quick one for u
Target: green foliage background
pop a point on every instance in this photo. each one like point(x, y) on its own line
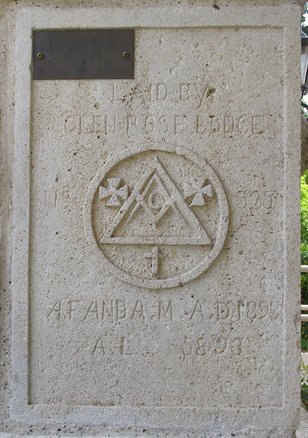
point(305, 27)
point(304, 251)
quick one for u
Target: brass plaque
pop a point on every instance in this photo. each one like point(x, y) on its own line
point(83, 54)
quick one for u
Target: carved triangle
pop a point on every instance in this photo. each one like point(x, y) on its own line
point(136, 200)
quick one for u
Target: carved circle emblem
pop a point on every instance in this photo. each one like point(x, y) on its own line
point(157, 217)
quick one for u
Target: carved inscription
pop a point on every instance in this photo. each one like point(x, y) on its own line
point(204, 124)
point(57, 197)
point(190, 347)
point(159, 218)
point(192, 115)
point(120, 345)
point(110, 310)
point(256, 200)
point(209, 328)
point(200, 346)
point(196, 92)
point(250, 310)
point(116, 310)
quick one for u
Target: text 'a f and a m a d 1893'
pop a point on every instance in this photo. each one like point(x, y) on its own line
point(165, 311)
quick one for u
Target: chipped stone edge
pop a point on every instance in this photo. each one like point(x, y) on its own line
point(302, 432)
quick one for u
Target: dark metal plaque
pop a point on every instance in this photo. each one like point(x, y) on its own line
point(83, 54)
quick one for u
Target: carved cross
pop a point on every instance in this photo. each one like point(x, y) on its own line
point(154, 256)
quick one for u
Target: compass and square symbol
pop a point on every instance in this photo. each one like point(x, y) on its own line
point(158, 217)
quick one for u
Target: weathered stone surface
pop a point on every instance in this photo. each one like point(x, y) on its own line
point(304, 159)
point(302, 432)
point(155, 250)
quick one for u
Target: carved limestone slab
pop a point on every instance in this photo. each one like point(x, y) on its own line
point(151, 225)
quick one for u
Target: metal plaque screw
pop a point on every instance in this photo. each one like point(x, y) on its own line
point(40, 55)
point(125, 54)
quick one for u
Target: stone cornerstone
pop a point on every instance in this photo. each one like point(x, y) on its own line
point(150, 218)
